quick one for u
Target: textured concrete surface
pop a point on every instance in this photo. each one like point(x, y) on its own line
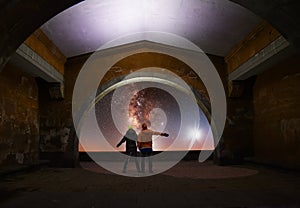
point(181, 186)
point(276, 102)
point(19, 122)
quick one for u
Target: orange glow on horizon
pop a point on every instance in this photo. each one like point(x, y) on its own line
point(93, 148)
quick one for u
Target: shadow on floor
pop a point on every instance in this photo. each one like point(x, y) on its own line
point(188, 184)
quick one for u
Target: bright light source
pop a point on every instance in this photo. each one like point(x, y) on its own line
point(198, 134)
point(195, 134)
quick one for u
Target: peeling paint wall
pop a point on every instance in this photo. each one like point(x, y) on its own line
point(19, 123)
point(277, 114)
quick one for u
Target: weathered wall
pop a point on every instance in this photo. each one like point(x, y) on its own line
point(238, 134)
point(58, 141)
point(237, 137)
point(19, 128)
point(54, 126)
point(260, 37)
point(44, 47)
point(277, 114)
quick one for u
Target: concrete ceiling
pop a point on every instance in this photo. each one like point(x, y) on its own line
point(214, 25)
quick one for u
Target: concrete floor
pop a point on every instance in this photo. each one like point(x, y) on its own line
point(188, 184)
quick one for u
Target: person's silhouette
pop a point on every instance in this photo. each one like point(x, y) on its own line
point(131, 149)
point(145, 145)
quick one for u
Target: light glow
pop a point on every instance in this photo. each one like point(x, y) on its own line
point(90, 24)
point(198, 134)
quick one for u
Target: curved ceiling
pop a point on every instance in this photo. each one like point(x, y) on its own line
point(214, 25)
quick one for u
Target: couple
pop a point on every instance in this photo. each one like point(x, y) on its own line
point(144, 143)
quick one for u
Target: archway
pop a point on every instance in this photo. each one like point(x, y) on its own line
point(20, 19)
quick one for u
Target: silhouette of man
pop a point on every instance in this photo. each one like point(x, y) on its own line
point(131, 149)
point(145, 145)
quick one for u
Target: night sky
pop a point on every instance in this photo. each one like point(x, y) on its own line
point(153, 105)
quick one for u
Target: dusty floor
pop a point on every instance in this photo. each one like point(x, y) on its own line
point(188, 184)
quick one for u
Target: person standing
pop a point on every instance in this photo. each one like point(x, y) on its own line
point(131, 149)
point(144, 143)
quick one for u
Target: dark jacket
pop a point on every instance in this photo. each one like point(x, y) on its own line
point(130, 138)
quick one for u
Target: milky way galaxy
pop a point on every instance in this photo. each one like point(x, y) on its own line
point(128, 105)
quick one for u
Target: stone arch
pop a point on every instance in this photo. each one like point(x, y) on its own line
point(19, 19)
